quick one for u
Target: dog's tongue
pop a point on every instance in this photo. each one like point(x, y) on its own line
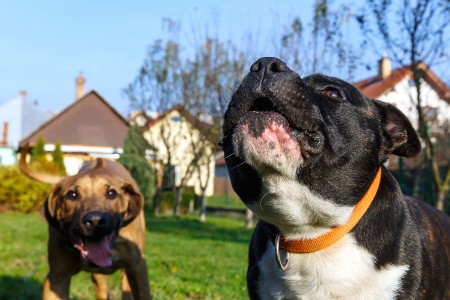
point(99, 252)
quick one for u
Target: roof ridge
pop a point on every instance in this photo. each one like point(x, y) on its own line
point(375, 86)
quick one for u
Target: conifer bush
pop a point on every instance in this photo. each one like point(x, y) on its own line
point(134, 160)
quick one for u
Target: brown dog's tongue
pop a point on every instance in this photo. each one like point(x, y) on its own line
point(99, 252)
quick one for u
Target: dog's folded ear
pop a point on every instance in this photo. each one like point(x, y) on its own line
point(399, 136)
point(49, 207)
point(135, 202)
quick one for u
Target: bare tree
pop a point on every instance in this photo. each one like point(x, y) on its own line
point(196, 84)
point(215, 67)
point(320, 44)
point(156, 89)
point(414, 33)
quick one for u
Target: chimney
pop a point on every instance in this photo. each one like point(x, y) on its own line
point(79, 89)
point(4, 141)
point(23, 94)
point(384, 67)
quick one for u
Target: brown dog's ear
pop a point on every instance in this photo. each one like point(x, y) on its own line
point(48, 209)
point(399, 136)
point(135, 202)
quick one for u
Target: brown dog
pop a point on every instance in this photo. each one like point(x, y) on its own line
point(96, 224)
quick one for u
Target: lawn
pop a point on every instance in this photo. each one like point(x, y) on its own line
point(186, 259)
point(221, 200)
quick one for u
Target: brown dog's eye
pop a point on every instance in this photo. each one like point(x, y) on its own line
point(72, 195)
point(332, 92)
point(111, 194)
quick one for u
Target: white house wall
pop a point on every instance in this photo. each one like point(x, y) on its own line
point(401, 97)
point(76, 155)
point(7, 156)
point(179, 136)
point(22, 117)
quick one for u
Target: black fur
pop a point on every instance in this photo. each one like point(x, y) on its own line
point(343, 141)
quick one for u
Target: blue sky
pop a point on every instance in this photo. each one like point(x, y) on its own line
point(45, 44)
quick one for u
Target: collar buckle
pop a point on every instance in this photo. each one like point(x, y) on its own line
point(281, 265)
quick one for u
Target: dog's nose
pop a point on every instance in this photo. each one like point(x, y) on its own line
point(94, 220)
point(269, 65)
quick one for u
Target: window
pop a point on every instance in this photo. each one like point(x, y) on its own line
point(175, 119)
point(411, 83)
point(430, 113)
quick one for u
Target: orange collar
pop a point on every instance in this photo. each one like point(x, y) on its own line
point(328, 238)
point(335, 234)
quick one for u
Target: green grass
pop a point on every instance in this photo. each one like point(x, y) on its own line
point(186, 259)
point(220, 200)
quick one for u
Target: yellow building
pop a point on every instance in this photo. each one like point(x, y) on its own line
point(181, 140)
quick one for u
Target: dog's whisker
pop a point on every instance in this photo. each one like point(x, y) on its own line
point(260, 201)
point(229, 155)
point(238, 165)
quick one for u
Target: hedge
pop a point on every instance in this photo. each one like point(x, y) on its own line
point(19, 193)
point(167, 198)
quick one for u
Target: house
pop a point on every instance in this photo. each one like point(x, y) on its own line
point(90, 127)
point(181, 139)
point(222, 183)
point(18, 117)
point(398, 88)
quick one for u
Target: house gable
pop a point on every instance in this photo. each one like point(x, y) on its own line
point(376, 86)
point(90, 121)
point(21, 117)
point(398, 88)
point(179, 135)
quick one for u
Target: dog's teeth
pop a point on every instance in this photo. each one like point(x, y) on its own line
point(295, 132)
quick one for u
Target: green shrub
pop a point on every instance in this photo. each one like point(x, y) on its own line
point(58, 160)
point(134, 160)
point(40, 161)
point(38, 151)
point(167, 198)
point(19, 193)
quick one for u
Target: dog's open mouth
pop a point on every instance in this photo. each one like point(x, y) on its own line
point(263, 113)
point(95, 250)
point(265, 105)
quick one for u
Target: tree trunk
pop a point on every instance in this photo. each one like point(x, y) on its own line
point(202, 206)
point(440, 200)
point(177, 201)
point(249, 218)
point(157, 202)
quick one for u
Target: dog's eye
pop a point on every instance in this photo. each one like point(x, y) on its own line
point(332, 92)
point(72, 195)
point(111, 194)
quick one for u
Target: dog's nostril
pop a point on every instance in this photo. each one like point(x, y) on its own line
point(269, 65)
point(255, 67)
point(94, 220)
point(277, 66)
point(101, 223)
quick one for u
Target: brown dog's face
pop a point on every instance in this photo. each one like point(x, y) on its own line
point(90, 208)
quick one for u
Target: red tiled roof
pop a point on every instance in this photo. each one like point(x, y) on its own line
point(375, 86)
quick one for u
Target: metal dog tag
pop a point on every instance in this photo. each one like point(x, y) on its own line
point(278, 256)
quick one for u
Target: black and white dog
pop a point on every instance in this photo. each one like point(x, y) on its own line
point(306, 156)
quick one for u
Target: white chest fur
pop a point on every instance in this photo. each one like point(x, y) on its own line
point(342, 271)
